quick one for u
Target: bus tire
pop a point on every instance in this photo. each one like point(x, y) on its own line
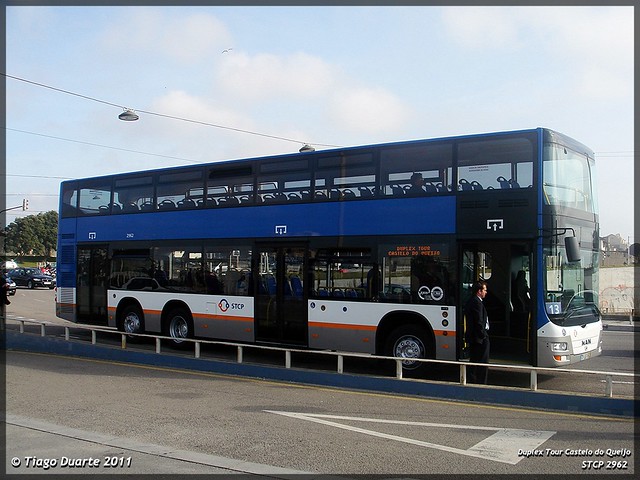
point(179, 326)
point(132, 321)
point(410, 342)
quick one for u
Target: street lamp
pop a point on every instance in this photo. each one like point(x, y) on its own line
point(307, 148)
point(128, 115)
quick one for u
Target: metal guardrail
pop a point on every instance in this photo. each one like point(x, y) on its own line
point(340, 356)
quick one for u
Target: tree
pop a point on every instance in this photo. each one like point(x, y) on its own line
point(33, 235)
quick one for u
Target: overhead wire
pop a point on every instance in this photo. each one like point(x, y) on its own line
point(199, 122)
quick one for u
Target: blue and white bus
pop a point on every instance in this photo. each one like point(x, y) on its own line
point(361, 249)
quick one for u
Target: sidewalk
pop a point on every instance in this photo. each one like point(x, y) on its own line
point(621, 322)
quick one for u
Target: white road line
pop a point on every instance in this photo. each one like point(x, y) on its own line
point(502, 446)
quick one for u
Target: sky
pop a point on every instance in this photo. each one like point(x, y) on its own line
point(325, 76)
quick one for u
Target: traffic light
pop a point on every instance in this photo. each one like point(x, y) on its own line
point(25, 204)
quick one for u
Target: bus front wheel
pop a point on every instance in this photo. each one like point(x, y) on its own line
point(409, 342)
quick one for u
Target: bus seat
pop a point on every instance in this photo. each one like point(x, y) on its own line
point(365, 192)
point(130, 207)
point(514, 184)
point(296, 286)
point(348, 194)
point(271, 285)
point(166, 205)
point(397, 190)
point(186, 203)
point(147, 207)
point(226, 201)
point(430, 187)
point(504, 183)
point(475, 185)
point(103, 209)
point(335, 194)
point(465, 185)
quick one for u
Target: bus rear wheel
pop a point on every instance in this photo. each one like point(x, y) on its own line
point(179, 326)
point(409, 342)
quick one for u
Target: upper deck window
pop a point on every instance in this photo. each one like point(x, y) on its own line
point(502, 163)
point(95, 197)
point(345, 177)
point(134, 194)
point(284, 181)
point(568, 178)
point(69, 200)
point(416, 170)
point(180, 190)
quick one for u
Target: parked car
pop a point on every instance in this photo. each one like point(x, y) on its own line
point(12, 286)
point(398, 293)
point(30, 277)
point(9, 264)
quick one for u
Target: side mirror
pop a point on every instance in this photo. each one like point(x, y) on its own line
point(572, 248)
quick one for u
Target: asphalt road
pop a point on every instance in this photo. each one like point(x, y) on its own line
point(158, 420)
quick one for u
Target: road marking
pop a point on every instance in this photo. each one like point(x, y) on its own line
point(502, 446)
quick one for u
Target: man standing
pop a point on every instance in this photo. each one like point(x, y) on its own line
point(477, 334)
point(4, 283)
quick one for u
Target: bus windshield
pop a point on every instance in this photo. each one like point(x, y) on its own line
point(569, 178)
point(571, 296)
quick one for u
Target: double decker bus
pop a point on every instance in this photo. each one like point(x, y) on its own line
point(363, 249)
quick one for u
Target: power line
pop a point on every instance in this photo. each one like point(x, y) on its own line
point(33, 176)
point(239, 130)
point(103, 146)
point(32, 194)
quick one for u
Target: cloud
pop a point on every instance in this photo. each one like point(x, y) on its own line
point(265, 76)
point(479, 28)
point(593, 44)
point(369, 110)
point(185, 39)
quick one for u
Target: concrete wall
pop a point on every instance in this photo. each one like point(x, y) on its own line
point(618, 291)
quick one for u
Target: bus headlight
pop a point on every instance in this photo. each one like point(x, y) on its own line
point(559, 347)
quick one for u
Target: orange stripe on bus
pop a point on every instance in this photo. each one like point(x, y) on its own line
point(342, 326)
point(231, 318)
point(444, 333)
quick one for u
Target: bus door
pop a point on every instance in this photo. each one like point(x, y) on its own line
point(280, 294)
point(91, 284)
point(506, 267)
